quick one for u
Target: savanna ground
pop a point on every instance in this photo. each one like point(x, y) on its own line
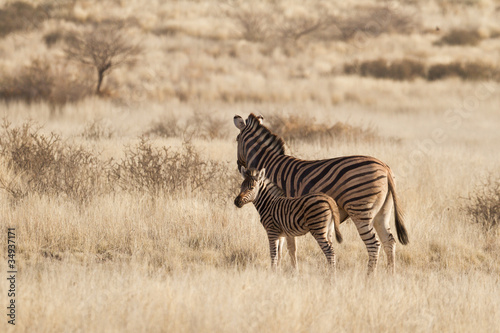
point(122, 201)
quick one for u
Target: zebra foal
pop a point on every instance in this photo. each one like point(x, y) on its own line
point(316, 213)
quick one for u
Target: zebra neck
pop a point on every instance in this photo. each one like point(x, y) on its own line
point(271, 163)
point(263, 147)
point(268, 192)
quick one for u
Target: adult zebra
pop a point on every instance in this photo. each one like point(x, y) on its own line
point(362, 186)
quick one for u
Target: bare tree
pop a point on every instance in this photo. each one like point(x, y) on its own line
point(104, 48)
point(296, 28)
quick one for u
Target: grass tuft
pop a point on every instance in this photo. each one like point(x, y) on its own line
point(483, 204)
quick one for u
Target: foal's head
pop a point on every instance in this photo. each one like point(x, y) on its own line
point(250, 186)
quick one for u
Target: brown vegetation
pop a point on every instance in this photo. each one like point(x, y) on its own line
point(155, 170)
point(372, 21)
point(40, 81)
point(408, 69)
point(464, 70)
point(460, 37)
point(18, 15)
point(257, 24)
point(404, 69)
point(202, 126)
point(45, 165)
point(483, 205)
point(295, 128)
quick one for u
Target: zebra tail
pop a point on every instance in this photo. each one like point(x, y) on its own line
point(398, 215)
point(336, 220)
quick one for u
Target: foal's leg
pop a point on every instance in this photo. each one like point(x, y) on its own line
point(326, 246)
point(273, 248)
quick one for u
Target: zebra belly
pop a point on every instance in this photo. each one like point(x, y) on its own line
point(292, 229)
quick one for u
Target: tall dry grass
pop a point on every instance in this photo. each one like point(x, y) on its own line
point(181, 262)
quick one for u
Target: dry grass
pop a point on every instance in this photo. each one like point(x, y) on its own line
point(404, 69)
point(181, 262)
point(120, 234)
point(298, 128)
point(484, 203)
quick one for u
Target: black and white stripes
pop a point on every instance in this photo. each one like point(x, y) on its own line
point(316, 213)
point(362, 186)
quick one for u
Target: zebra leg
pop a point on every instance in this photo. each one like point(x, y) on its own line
point(326, 246)
point(365, 230)
point(292, 251)
point(281, 241)
point(382, 225)
point(273, 247)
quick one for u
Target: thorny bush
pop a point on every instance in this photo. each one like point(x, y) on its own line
point(292, 128)
point(44, 164)
point(483, 205)
point(153, 170)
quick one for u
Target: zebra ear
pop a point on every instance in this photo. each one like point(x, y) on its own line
point(243, 171)
point(260, 118)
point(262, 174)
point(239, 122)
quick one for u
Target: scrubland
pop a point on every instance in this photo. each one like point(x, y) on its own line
point(122, 201)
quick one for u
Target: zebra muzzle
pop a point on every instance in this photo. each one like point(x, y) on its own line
point(238, 202)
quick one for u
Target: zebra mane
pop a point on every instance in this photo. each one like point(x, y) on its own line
point(255, 124)
point(272, 187)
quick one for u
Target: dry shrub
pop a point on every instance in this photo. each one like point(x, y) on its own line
point(258, 24)
point(168, 126)
point(408, 69)
point(300, 128)
point(45, 165)
point(209, 127)
point(57, 36)
point(404, 69)
point(297, 27)
point(483, 205)
point(33, 83)
point(167, 30)
point(253, 24)
point(460, 37)
point(19, 15)
point(203, 126)
point(34, 163)
point(155, 170)
point(40, 81)
point(465, 71)
point(97, 129)
point(373, 21)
